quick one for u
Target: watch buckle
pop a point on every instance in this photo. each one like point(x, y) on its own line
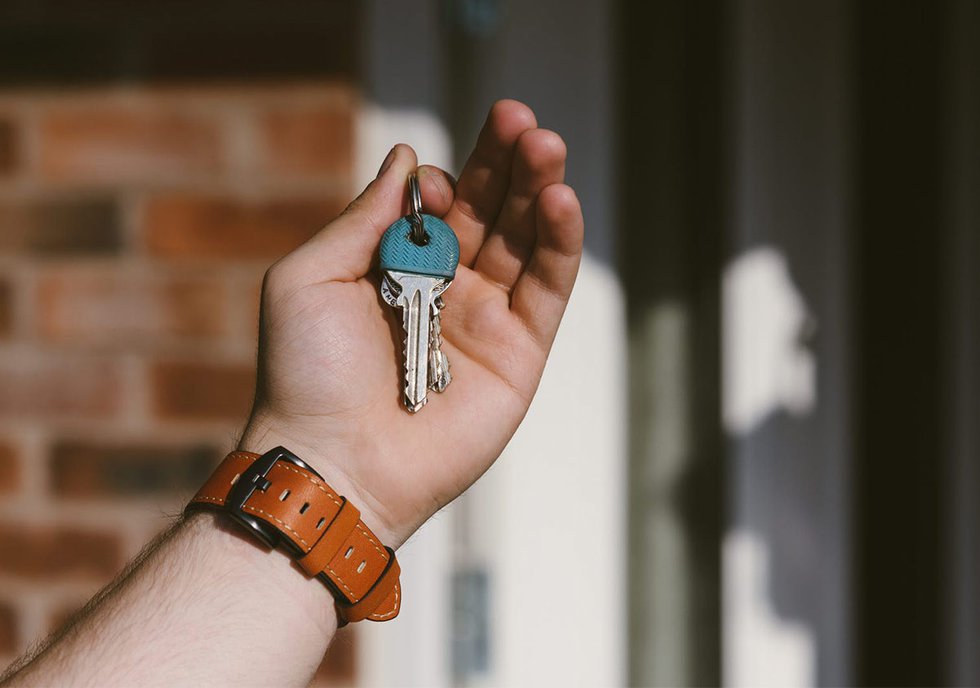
point(254, 478)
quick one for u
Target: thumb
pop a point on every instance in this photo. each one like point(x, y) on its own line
point(343, 250)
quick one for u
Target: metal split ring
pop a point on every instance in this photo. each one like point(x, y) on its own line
point(418, 235)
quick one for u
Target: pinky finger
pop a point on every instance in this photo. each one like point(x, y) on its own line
point(542, 291)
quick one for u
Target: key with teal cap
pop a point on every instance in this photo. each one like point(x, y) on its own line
point(419, 255)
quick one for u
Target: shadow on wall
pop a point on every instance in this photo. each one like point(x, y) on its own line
point(769, 373)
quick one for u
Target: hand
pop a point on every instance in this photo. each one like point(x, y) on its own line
point(330, 378)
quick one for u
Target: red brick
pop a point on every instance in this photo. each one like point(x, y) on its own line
point(8, 147)
point(8, 629)
point(59, 227)
point(124, 307)
point(307, 141)
point(9, 468)
point(6, 308)
point(202, 391)
point(222, 228)
point(97, 470)
point(119, 143)
point(59, 386)
point(57, 552)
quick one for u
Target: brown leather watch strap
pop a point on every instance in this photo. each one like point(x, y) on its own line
point(284, 501)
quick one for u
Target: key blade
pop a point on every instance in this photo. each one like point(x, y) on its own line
point(416, 348)
point(439, 375)
point(415, 299)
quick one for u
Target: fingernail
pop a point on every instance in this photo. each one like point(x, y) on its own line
point(387, 163)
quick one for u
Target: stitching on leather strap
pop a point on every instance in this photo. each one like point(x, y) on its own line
point(337, 531)
point(334, 498)
point(341, 581)
point(382, 552)
point(379, 617)
point(216, 500)
point(392, 564)
point(255, 509)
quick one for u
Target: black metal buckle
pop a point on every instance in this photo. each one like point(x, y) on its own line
point(252, 479)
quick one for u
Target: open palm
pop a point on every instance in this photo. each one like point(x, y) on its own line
point(330, 364)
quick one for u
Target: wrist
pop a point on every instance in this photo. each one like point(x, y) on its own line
point(255, 568)
point(285, 504)
point(330, 456)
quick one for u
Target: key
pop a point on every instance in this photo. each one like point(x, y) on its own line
point(419, 255)
point(416, 292)
point(439, 375)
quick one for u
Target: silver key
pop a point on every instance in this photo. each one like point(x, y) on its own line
point(415, 295)
point(439, 376)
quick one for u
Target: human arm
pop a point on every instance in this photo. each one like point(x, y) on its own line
point(204, 604)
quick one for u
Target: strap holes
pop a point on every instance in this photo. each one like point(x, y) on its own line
point(303, 508)
point(282, 497)
point(361, 567)
point(319, 524)
point(235, 479)
point(350, 550)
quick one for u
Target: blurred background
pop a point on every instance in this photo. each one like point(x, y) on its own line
point(753, 458)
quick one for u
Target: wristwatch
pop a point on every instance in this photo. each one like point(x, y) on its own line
point(282, 501)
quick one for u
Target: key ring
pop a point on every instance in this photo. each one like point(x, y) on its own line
point(418, 235)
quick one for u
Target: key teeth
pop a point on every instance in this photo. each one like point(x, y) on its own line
point(410, 406)
point(436, 367)
point(438, 361)
point(442, 384)
point(439, 366)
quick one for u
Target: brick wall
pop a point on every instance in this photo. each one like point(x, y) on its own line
point(135, 226)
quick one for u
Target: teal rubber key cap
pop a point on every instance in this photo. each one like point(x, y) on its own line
point(438, 257)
